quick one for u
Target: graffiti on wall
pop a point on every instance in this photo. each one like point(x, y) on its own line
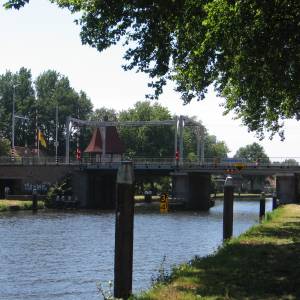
point(42, 188)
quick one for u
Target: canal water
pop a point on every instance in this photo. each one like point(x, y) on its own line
point(62, 255)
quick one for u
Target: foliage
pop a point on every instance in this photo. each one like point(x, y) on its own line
point(18, 86)
point(252, 153)
point(152, 141)
point(100, 114)
point(290, 162)
point(163, 276)
point(52, 89)
point(4, 147)
point(62, 188)
point(249, 49)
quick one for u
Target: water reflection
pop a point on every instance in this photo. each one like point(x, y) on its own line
point(57, 255)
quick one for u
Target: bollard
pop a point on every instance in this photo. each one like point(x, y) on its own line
point(34, 200)
point(228, 208)
point(274, 201)
point(262, 206)
point(124, 232)
point(6, 192)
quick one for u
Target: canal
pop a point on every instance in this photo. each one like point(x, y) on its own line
point(62, 255)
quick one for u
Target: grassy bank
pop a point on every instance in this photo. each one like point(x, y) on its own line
point(7, 205)
point(263, 263)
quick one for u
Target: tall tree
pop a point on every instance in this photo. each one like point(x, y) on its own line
point(153, 141)
point(249, 49)
point(54, 91)
point(252, 153)
point(17, 87)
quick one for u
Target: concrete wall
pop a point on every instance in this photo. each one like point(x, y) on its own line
point(193, 189)
point(20, 179)
point(199, 191)
point(286, 188)
point(80, 187)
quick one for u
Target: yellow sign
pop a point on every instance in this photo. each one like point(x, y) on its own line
point(164, 203)
point(239, 165)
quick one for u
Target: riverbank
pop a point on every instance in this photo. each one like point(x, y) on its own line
point(220, 196)
point(13, 205)
point(263, 263)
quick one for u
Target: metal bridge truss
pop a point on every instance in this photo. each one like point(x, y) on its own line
point(178, 122)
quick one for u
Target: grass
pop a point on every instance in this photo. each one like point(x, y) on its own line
point(263, 263)
point(7, 205)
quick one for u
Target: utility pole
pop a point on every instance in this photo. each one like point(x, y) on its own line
point(13, 120)
point(56, 132)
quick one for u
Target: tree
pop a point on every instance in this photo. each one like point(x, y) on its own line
point(17, 86)
point(4, 147)
point(252, 153)
point(100, 114)
point(290, 162)
point(248, 48)
point(151, 141)
point(54, 90)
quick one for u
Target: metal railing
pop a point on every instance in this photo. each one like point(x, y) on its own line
point(162, 161)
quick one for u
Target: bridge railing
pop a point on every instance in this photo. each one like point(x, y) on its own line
point(162, 161)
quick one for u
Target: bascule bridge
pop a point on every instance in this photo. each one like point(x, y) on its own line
point(94, 177)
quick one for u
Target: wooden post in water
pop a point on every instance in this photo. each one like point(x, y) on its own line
point(34, 200)
point(124, 232)
point(274, 201)
point(262, 206)
point(228, 208)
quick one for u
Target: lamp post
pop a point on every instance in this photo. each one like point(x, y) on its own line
point(13, 117)
point(56, 132)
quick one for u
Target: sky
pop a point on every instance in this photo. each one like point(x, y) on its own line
point(42, 36)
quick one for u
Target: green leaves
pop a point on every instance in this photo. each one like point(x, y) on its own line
point(249, 49)
point(17, 4)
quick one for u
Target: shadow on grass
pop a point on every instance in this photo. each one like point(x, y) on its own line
point(251, 271)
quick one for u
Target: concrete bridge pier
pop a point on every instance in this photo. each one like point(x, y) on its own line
point(193, 189)
point(95, 189)
point(288, 187)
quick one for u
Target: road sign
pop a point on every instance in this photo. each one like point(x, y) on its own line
point(164, 203)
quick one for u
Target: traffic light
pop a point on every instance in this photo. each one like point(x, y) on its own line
point(177, 155)
point(78, 154)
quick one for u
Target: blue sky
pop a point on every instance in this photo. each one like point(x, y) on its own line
point(41, 36)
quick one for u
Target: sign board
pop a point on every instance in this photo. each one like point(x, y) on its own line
point(164, 203)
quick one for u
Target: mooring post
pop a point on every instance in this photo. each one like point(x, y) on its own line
point(228, 208)
point(274, 201)
point(262, 206)
point(124, 232)
point(34, 200)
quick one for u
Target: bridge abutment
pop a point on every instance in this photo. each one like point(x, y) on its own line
point(193, 189)
point(288, 187)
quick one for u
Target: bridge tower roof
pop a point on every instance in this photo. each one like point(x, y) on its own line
point(114, 145)
point(95, 145)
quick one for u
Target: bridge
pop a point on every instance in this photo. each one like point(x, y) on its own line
point(93, 181)
point(93, 178)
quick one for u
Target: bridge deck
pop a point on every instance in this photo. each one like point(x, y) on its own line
point(161, 165)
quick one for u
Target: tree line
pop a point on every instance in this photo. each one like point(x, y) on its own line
point(37, 101)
